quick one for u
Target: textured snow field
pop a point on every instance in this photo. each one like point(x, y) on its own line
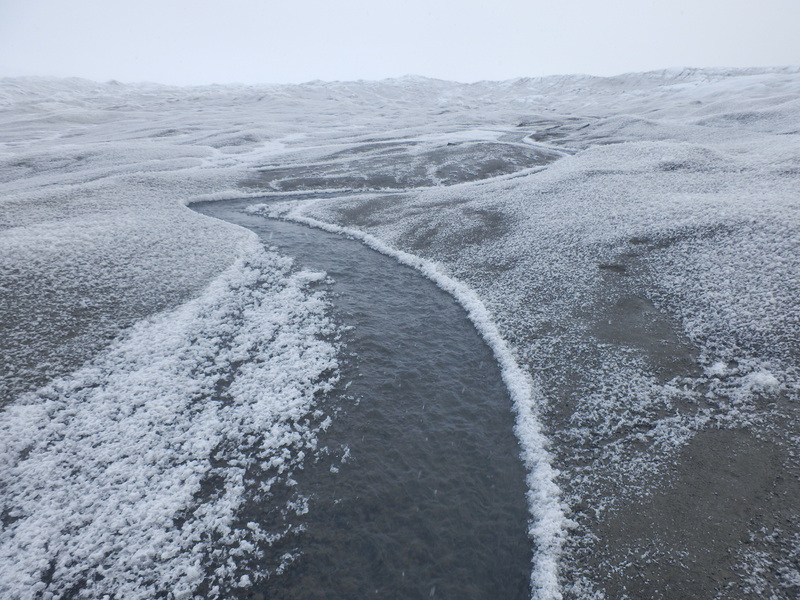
point(106, 473)
point(634, 240)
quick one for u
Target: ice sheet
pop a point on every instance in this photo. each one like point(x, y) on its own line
point(646, 281)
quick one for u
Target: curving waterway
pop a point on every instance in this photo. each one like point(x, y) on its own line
point(421, 493)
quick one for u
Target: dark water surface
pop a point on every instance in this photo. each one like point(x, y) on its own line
point(430, 501)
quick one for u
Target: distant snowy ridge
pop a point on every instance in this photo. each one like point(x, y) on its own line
point(411, 88)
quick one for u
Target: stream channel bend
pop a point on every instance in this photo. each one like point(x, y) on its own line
point(431, 499)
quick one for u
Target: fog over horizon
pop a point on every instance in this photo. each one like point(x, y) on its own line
point(244, 41)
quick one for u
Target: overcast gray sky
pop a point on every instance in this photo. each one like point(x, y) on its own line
point(290, 41)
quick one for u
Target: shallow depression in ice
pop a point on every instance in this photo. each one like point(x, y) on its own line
point(422, 493)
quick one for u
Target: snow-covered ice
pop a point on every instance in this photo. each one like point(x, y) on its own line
point(128, 476)
point(634, 241)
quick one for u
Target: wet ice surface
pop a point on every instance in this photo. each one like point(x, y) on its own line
point(399, 166)
point(647, 279)
point(423, 493)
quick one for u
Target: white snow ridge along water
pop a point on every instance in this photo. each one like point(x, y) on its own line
point(127, 478)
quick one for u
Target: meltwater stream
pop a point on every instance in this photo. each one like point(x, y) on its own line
point(430, 501)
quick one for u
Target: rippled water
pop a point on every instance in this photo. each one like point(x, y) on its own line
point(429, 500)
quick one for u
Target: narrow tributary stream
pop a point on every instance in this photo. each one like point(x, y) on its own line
point(430, 501)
